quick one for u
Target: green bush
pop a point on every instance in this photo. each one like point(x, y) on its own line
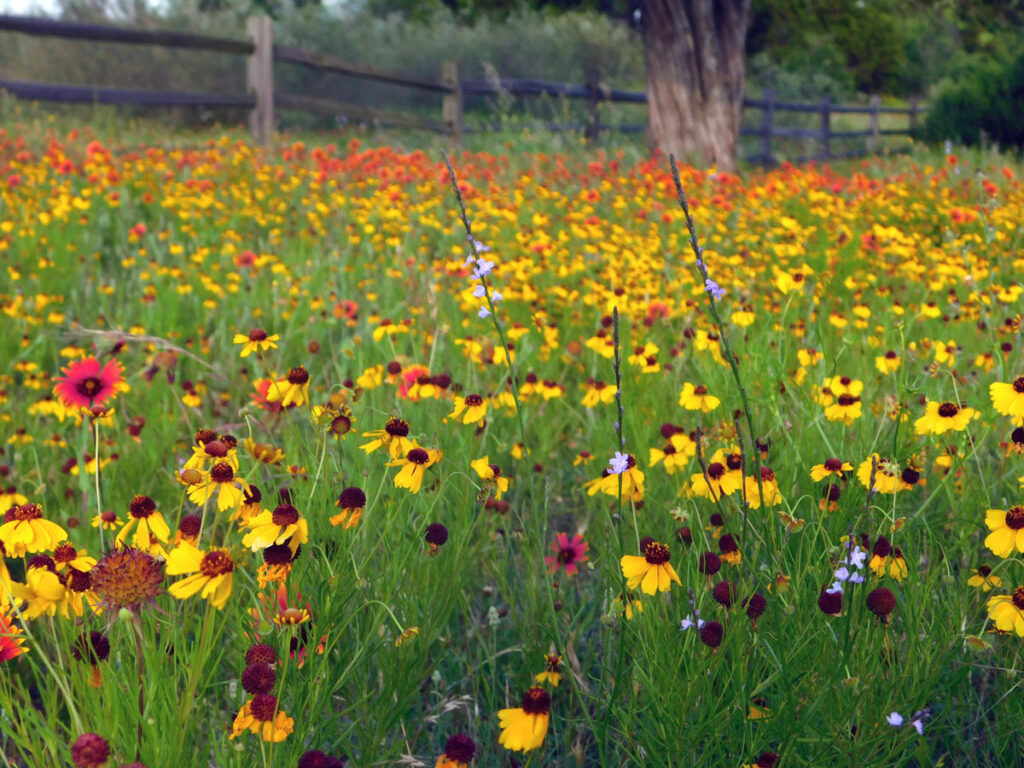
point(984, 104)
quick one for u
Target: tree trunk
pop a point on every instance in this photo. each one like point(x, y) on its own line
point(694, 50)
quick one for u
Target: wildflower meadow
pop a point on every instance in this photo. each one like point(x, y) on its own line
point(331, 455)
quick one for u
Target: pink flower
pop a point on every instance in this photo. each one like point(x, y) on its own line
point(567, 553)
point(86, 383)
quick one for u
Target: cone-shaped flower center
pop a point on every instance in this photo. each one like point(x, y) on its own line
point(537, 701)
point(948, 410)
point(396, 428)
point(656, 553)
point(216, 563)
point(1015, 518)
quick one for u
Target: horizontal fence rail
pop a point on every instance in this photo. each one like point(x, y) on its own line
point(261, 98)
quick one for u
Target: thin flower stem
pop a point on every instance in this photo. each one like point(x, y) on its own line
point(140, 667)
point(96, 458)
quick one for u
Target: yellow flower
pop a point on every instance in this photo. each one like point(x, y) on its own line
point(887, 363)
point(697, 398)
point(26, 531)
point(471, 409)
point(256, 341)
point(219, 481)
point(282, 525)
point(413, 467)
point(151, 525)
point(291, 390)
point(212, 571)
point(261, 715)
point(43, 590)
point(597, 393)
point(768, 485)
point(632, 482)
point(676, 452)
point(1008, 399)
point(525, 727)
point(831, 468)
point(1007, 611)
point(652, 572)
point(1007, 531)
point(942, 417)
point(491, 473)
point(552, 672)
point(631, 604)
point(983, 577)
point(846, 408)
point(394, 436)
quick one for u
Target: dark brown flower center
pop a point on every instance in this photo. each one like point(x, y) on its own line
point(27, 512)
point(656, 553)
point(351, 498)
point(846, 400)
point(89, 387)
point(216, 563)
point(78, 581)
point(418, 456)
point(257, 334)
point(767, 475)
point(474, 400)
point(298, 376)
point(734, 461)
point(285, 515)
point(910, 476)
point(263, 707)
point(700, 389)
point(1018, 598)
point(984, 571)
point(948, 410)
point(1015, 518)
point(396, 427)
point(64, 553)
point(1018, 385)
point(882, 547)
point(222, 473)
point(536, 701)
point(833, 465)
point(141, 506)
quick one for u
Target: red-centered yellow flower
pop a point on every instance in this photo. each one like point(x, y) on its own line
point(492, 477)
point(282, 525)
point(414, 465)
point(470, 409)
point(458, 752)
point(1007, 611)
point(676, 453)
point(525, 727)
point(212, 571)
point(209, 452)
point(25, 531)
point(291, 390)
point(1007, 531)
point(394, 437)
point(79, 595)
point(351, 502)
point(256, 341)
point(697, 398)
point(887, 559)
point(887, 363)
point(107, 520)
point(1008, 399)
point(552, 670)
point(221, 482)
point(983, 578)
point(597, 393)
point(261, 715)
point(886, 474)
point(768, 485)
point(66, 556)
point(43, 589)
point(940, 418)
point(652, 571)
point(12, 643)
point(149, 525)
point(830, 468)
point(646, 357)
point(632, 481)
point(847, 408)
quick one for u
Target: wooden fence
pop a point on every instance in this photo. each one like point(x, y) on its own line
point(261, 99)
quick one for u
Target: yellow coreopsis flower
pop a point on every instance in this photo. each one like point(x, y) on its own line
point(1007, 531)
point(291, 390)
point(830, 468)
point(469, 409)
point(652, 571)
point(525, 727)
point(282, 525)
point(1007, 611)
point(696, 398)
point(256, 341)
point(1008, 399)
point(213, 572)
point(261, 715)
point(394, 436)
point(148, 523)
point(492, 474)
point(221, 482)
point(943, 417)
point(26, 531)
point(414, 465)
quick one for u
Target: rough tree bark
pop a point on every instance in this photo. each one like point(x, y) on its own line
point(694, 50)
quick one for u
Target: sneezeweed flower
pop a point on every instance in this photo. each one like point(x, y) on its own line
point(293, 389)
point(470, 409)
point(552, 672)
point(1008, 399)
point(65, 556)
point(414, 466)
point(25, 530)
point(351, 501)
point(569, 553)
point(887, 363)
point(87, 383)
point(284, 524)
point(524, 728)
point(221, 482)
point(651, 571)
point(711, 634)
point(277, 564)
point(940, 418)
point(212, 573)
point(188, 530)
point(1007, 531)
point(257, 678)
point(830, 468)
point(394, 437)
point(697, 398)
point(769, 487)
point(260, 715)
point(127, 578)
point(494, 482)
point(436, 536)
point(1007, 611)
point(257, 340)
point(729, 550)
point(12, 642)
point(881, 602)
point(847, 408)
point(983, 578)
point(458, 752)
point(830, 601)
point(264, 453)
point(90, 750)
point(149, 525)
point(887, 559)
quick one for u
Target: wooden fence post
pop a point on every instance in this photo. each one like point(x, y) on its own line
point(260, 77)
point(593, 103)
point(913, 116)
point(451, 106)
point(767, 127)
point(826, 127)
point(876, 102)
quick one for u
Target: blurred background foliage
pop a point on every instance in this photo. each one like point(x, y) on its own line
point(802, 49)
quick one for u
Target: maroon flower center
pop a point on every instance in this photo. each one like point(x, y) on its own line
point(418, 456)
point(64, 553)
point(352, 498)
point(89, 387)
point(537, 701)
point(1018, 385)
point(222, 473)
point(396, 428)
point(882, 547)
point(190, 525)
point(216, 563)
point(285, 515)
point(948, 410)
point(890, 355)
point(833, 465)
point(257, 334)
point(910, 476)
point(734, 461)
point(141, 506)
point(1018, 598)
point(715, 470)
point(567, 555)
point(846, 400)
point(1015, 518)
point(27, 512)
point(263, 707)
point(460, 748)
point(984, 571)
point(78, 581)
point(767, 476)
point(474, 400)
point(298, 376)
point(656, 553)
point(700, 389)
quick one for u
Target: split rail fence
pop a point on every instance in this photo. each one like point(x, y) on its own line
point(261, 100)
